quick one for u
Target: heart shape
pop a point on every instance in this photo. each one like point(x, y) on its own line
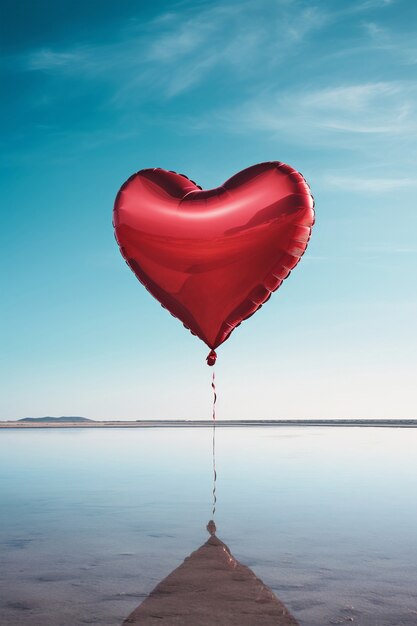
point(212, 258)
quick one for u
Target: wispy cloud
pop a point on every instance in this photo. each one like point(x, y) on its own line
point(400, 46)
point(368, 185)
point(46, 59)
point(381, 108)
point(177, 51)
point(362, 108)
point(388, 248)
point(376, 32)
point(365, 5)
point(253, 64)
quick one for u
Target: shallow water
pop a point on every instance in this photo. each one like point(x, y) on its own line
point(91, 520)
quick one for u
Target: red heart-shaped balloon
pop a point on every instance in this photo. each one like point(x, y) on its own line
point(212, 258)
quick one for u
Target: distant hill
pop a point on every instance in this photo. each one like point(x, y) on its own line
point(64, 418)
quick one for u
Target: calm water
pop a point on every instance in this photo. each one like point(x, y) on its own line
point(91, 520)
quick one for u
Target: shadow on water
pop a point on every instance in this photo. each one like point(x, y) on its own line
point(211, 587)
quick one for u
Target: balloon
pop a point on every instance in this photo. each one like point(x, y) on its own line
point(212, 258)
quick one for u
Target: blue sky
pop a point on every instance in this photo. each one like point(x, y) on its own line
point(96, 91)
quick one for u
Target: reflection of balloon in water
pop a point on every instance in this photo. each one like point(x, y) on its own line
point(211, 588)
point(212, 258)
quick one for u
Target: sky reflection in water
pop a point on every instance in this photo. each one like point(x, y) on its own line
point(91, 520)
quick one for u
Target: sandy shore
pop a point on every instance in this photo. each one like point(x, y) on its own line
point(208, 423)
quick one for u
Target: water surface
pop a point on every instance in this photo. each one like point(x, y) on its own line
point(91, 520)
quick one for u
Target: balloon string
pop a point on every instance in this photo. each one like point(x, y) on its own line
point(213, 386)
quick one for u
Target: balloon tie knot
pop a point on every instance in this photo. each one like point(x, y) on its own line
point(211, 358)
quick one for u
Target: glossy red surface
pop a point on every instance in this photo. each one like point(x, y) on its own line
point(212, 258)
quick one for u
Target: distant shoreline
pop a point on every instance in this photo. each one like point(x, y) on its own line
point(410, 423)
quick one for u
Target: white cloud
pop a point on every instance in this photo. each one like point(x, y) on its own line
point(380, 108)
point(376, 32)
point(177, 51)
point(368, 185)
point(47, 59)
point(252, 44)
point(306, 21)
point(365, 5)
point(390, 248)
